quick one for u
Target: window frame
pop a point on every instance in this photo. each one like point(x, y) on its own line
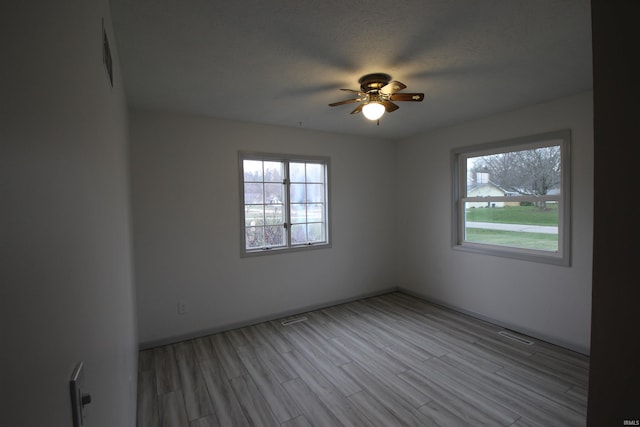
point(286, 159)
point(459, 158)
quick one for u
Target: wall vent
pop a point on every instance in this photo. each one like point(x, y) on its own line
point(293, 320)
point(515, 338)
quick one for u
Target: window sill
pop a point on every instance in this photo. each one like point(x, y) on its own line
point(273, 251)
point(553, 258)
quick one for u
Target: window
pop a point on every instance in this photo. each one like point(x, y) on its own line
point(511, 198)
point(285, 202)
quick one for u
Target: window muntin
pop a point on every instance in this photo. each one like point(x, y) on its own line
point(284, 202)
point(511, 198)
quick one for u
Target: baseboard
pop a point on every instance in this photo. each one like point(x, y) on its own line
point(505, 325)
point(227, 327)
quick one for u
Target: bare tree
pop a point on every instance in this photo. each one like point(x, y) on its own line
point(527, 172)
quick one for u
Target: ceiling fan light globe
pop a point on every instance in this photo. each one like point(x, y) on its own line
point(373, 110)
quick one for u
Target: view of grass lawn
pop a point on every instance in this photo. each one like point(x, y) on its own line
point(531, 215)
point(538, 241)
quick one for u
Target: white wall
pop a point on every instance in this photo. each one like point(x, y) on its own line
point(186, 212)
point(67, 290)
point(547, 301)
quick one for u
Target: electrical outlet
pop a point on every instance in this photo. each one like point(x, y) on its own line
point(182, 307)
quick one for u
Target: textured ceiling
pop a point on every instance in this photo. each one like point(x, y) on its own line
point(282, 61)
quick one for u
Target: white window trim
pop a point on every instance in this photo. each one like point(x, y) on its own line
point(287, 158)
point(459, 157)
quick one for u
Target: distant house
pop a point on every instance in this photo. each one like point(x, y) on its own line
point(485, 190)
point(483, 187)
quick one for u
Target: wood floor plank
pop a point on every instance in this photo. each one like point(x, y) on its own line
point(505, 394)
point(579, 396)
point(356, 348)
point(562, 369)
point(202, 349)
point(411, 334)
point(311, 406)
point(441, 415)
point(194, 390)
point(338, 377)
point(208, 421)
point(274, 362)
point(343, 410)
point(404, 411)
point(383, 374)
point(300, 421)
point(171, 410)
point(375, 414)
point(455, 404)
point(390, 360)
point(147, 415)
point(462, 322)
point(461, 385)
point(322, 344)
point(524, 422)
point(253, 403)
point(404, 355)
point(274, 338)
point(237, 337)
point(533, 380)
point(273, 392)
point(225, 403)
point(395, 340)
point(145, 360)
point(559, 403)
point(166, 370)
point(357, 326)
point(227, 356)
point(478, 356)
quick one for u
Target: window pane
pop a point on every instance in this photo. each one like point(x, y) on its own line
point(274, 235)
point(252, 170)
point(315, 212)
point(315, 172)
point(253, 215)
point(273, 171)
point(274, 193)
point(298, 213)
point(297, 172)
point(315, 232)
point(297, 193)
point(533, 172)
point(254, 237)
point(315, 193)
point(532, 226)
point(253, 193)
point(299, 234)
point(274, 214)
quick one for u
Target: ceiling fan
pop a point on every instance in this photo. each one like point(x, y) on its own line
point(377, 91)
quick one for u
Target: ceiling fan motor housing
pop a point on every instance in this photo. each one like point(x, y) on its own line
point(373, 82)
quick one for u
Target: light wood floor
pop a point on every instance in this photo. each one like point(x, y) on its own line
point(392, 360)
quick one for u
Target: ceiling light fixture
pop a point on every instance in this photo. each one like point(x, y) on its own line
point(373, 110)
point(376, 95)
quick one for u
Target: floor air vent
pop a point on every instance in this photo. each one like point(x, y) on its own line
point(515, 338)
point(293, 320)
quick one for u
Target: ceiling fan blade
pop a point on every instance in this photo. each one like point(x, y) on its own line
point(353, 91)
point(348, 101)
point(357, 109)
point(389, 106)
point(392, 87)
point(415, 97)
